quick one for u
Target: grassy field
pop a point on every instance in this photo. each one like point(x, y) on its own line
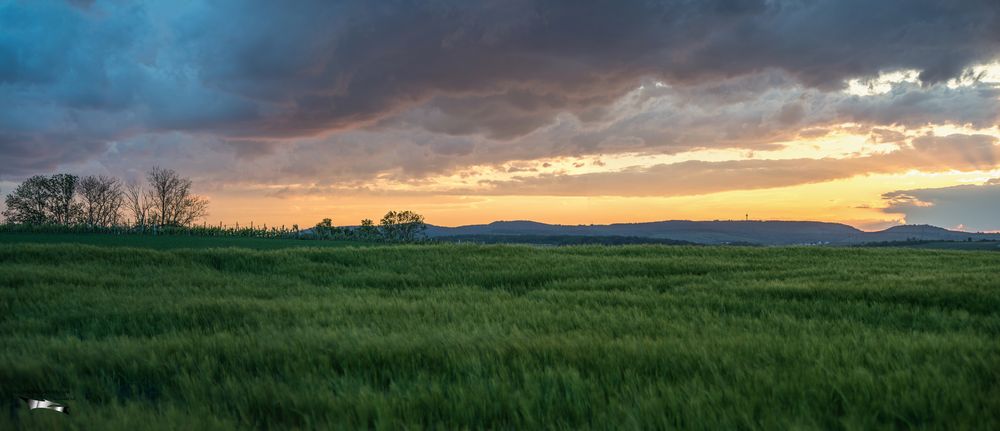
point(464, 336)
point(942, 245)
point(167, 242)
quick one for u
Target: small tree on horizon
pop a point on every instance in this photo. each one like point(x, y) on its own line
point(402, 226)
point(325, 228)
point(368, 230)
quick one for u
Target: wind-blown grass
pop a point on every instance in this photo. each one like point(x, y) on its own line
point(170, 241)
point(453, 336)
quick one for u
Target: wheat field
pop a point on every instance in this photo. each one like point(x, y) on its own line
point(500, 337)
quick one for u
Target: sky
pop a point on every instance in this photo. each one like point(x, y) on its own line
point(867, 113)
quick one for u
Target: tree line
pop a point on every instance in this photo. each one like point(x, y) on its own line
point(395, 226)
point(164, 198)
point(162, 203)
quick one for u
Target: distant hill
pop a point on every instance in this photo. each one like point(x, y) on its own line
point(923, 232)
point(560, 239)
point(717, 232)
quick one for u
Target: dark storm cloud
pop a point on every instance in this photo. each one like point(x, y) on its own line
point(666, 122)
point(259, 70)
point(574, 60)
point(969, 207)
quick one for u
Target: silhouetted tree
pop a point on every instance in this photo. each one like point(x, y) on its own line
point(325, 229)
point(402, 226)
point(137, 203)
point(28, 203)
point(367, 230)
point(61, 191)
point(171, 199)
point(101, 200)
point(41, 200)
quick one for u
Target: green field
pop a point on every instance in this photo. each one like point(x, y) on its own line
point(168, 242)
point(509, 337)
point(942, 245)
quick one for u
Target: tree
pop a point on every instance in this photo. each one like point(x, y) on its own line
point(41, 200)
point(101, 200)
point(367, 230)
point(61, 189)
point(28, 203)
point(172, 202)
point(137, 202)
point(325, 229)
point(402, 226)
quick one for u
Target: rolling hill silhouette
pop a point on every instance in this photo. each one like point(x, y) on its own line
point(719, 232)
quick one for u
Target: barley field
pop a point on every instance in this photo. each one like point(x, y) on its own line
point(500, 337)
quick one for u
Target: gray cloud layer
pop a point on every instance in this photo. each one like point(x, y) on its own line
point(80, 80)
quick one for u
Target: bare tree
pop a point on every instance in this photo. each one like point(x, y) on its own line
point(171, 199)
point(137, 203)
point(61, 190)
point(101, 198)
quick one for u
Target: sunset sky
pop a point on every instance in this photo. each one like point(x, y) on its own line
point(870, 113)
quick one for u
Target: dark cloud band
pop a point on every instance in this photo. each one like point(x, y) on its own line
point(77, 78)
